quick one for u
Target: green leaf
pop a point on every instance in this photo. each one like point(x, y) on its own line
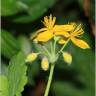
point(29, 7)
point(4, 68)
point(17, 74)
point(34, 6)
point(9, 45)
point(9, 7)
point(3, 85)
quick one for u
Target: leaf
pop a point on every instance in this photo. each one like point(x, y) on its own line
point(26, 7)
point(9, 7)
point(17, 74)
point(9, 45)
point(4, 68)
point(38, 7)
point(3, 85)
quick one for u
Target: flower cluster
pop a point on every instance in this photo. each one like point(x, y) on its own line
point(54, 34)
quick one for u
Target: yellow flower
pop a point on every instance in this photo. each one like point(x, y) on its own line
point(67, 57)
point(73, 36)
point(45, 64)
point(50, 30)
point(31, 57)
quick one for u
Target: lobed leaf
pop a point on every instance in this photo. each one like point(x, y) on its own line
point(3, 86)
point(17, 74)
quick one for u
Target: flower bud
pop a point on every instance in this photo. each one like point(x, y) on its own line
point(67, 57)
point(56, 38)
point(31, 57)
point(45, 64)
point(35, 41)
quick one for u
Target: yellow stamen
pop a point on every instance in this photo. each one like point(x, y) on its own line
point(76, 33)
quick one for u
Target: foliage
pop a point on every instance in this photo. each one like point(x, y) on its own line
point(9, 44)
point(26, 7)
point(3, 85)
point(17, 74)
point(13, 83)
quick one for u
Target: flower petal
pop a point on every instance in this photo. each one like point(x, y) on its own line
point(61, 41)
point(67, 27)
point(80, 43)
point(44, 36)
point(41, 30)
point(65, 34)
point(36, 33)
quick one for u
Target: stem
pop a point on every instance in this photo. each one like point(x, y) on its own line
point(49, 80)
point(54, 46)
point(64, 46)
point(51, 46)
point(46, 50)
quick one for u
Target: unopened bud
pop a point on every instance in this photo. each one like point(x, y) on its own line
point(35, 41)
point(45, 64)
point(31, 57)
point(56, 38)
point(67, 57)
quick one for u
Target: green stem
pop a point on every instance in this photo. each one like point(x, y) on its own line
point(63, 46)
point(49, 80)
point(54, 46)
point(51, 47)
point(46, 50)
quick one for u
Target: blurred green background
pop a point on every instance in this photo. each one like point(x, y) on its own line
point(19, 18)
